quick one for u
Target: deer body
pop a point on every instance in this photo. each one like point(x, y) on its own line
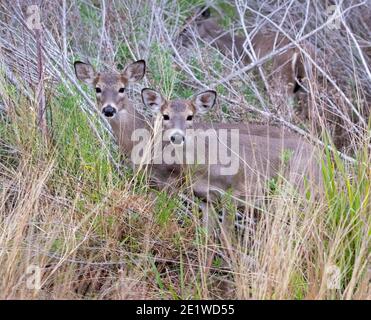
point(289, 67)
point(123, 126)
point(260, 158)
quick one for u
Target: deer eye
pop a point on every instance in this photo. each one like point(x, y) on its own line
point(98, 90)
point(189, 118)
point(122, 90)
point(166, 117)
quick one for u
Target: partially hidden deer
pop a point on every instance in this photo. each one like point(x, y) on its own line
point(289, 68)
point(291, 74)
point(260, 158)
point(112, 101)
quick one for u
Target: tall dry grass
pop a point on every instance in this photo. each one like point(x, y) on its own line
point(71, 212)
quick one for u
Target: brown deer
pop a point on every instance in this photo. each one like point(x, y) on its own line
point(289, 68)
point(120, 112)
point(259, 158)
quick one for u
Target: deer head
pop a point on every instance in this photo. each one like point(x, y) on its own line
point(193, 23)
point(110, 87)
point(177, 115)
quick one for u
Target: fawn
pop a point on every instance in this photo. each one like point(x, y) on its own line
point(112, 100)
point(124, 119)
point(258, 158)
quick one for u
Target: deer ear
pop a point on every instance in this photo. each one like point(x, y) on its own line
point(135, 71)
point(204, 101)
point(85, 72)
point(152, 99)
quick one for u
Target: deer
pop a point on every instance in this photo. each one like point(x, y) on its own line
point(290, 67)
point(291, 73)
point(260, 158)
point(122, 115)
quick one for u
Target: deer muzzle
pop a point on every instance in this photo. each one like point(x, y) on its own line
point(177, 137)
point(109, 111)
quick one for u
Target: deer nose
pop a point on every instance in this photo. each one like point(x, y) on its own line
point(109, 111)
point(177, 139)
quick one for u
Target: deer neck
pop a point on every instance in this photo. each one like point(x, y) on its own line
point(226, 41)
point(124, 124)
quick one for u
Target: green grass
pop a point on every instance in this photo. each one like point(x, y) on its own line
point(161, 70)
point(78, 151)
